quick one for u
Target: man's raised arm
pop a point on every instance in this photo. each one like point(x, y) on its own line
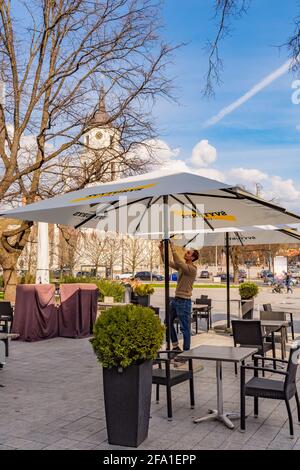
point(172, 262)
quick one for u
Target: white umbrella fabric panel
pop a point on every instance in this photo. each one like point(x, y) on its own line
point(135, 205)
point(262, 236)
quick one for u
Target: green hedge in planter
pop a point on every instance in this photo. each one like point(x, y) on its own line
point(76, 280)
point(248, 290)
point(127, 335)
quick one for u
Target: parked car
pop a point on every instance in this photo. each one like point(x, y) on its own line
point(264, 273)
point(57, 273)
point(146, 276)
point(124, 276)
point(242, 274)
point(204, 275)
point(84, 274)
point(223, 277)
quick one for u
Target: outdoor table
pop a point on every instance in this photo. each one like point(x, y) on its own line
point(4, 337)
point(219, 354)
point(8, 336)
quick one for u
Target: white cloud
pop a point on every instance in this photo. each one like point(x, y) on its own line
point(273, 187)
point(283, 189)
point(158, 148)
point(247, 96)
point(203, 154)
point(212, 173)
point(247, 175)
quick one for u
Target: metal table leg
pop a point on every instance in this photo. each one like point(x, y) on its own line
point(219, 414)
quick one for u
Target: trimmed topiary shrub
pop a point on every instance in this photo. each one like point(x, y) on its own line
point(248, 290)
point(125, 336)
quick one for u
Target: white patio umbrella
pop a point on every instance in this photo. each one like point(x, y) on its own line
point(157, 202)
point(262, 235)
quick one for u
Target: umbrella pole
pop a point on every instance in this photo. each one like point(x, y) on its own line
point(166, 263)
point(227, 248)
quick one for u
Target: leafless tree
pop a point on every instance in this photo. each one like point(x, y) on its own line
point(113, 246)
point(101, 249)
point(226, 12)
point(92, 245)
point(69, 249)
point(134, 252)
point(53, 64)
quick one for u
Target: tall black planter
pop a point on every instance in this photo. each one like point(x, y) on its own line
point(143, 300)
point(127, 397)
point(247, 309)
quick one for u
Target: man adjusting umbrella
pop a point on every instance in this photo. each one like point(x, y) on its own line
point(181, 305)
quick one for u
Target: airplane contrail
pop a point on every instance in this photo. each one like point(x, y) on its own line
point(247, 96)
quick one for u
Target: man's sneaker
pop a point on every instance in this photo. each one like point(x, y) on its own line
point(176, 350)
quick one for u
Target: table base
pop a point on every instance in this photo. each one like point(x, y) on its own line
point(224, 418)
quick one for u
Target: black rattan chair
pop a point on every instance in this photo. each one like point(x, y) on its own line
point(168, 377)
point(6, 318)
point(199, 314)
point(279, 335)
point(268, 308)
point(259, 387)
point(249, 334)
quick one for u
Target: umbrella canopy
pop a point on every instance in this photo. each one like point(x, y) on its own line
point(155, 203)
point(192, 200)
point(241, 237)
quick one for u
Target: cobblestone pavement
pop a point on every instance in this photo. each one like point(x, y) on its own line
point(51, 398)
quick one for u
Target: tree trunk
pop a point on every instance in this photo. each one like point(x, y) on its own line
point(10, 277)
point(13, 241)
point(234, 254)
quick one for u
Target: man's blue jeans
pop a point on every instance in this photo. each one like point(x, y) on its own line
point(181, 309)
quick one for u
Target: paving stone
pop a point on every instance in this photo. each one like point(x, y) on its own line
point(63, 408)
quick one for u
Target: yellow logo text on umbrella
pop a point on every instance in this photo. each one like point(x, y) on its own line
point(189, 214)
point(114, 193)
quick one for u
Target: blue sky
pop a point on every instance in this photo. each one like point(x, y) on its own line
point(261, 134)
point(259, 141)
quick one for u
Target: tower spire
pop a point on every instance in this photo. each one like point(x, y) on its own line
point(101, 116)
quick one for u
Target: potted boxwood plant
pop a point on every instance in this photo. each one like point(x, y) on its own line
point(248, 290)
point(141, 294)
point(126, 339)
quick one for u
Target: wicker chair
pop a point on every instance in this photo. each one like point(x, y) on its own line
point(268, 308)
point(6, 318)
point(248, 333)
point(259, 387)
point(199, 314)
point(168, 377)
